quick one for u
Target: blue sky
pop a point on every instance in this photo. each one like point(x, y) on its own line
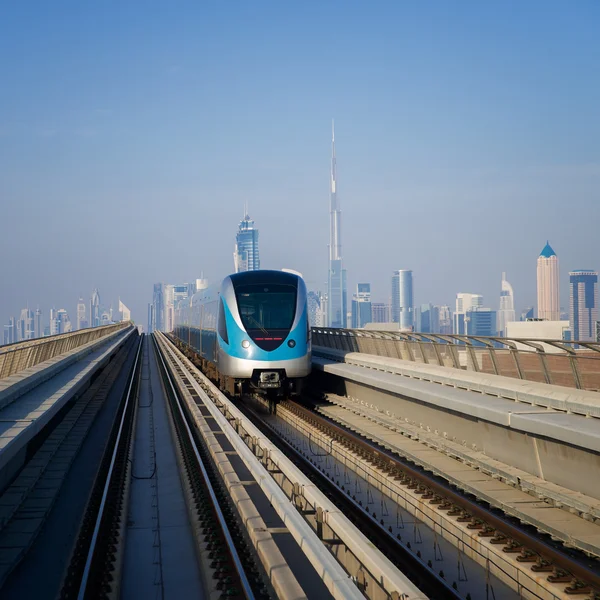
point(131, 136)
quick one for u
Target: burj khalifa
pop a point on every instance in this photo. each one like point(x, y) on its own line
point(336, 284)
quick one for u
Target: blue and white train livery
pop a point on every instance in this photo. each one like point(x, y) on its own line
point(251, 332)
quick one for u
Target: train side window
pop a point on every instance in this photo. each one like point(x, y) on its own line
point(221, 324)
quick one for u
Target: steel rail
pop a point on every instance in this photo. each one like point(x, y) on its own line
point(247, 589)
point(530, 542)
point(91, 552)
point(333, 574)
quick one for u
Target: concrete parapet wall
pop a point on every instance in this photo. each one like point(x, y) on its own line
point(554, 446)
point(557, 397)
point(21, 382)
point(24, 355)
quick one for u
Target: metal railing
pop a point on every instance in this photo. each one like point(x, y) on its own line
point(22, 355)
point(568, 363)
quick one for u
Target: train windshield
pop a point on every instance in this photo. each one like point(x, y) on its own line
point(266, 307)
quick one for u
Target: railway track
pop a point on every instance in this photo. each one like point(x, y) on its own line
point(564, 573)
point(94, 571)
point(322, 528)
point(530, 563)
point(94, 559)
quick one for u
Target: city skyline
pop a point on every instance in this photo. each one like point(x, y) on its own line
point(32, 324)
point(461, 147)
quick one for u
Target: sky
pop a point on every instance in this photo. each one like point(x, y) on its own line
point(132, 134)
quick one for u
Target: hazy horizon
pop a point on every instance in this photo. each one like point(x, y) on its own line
point(130, 139)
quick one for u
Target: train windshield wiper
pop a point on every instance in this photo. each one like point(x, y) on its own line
point(258, 324)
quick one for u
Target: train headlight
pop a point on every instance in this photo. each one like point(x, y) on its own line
point(246, 344)
point(291, 343)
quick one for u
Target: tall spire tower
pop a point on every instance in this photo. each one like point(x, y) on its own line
point(337, 299)
point(335, 215)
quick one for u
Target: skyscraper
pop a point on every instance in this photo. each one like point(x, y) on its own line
point(506, 314)
point(169, 308)
point(95, 309)
point(526, 313)
point(336, 282)
point(317, 309)
point(464, 302)
point(10, 331)
point(480, 321)
point(124, 312)
point(245, 255)
point(53, 322)
point(445, 319)
point(81, 320)
point(380, 312)
point(547, 285)
point(150, 318)
point(25, 325)
point(427, 318)
point(583, 304)
point(158, 312)
point(402, 298)
point(64, 323)
point(361, 306)
point(38, 329)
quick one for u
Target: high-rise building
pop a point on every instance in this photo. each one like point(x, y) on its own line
point(169, 307)
point(38, 327)
point(336, 283)
point(95, 316)
point(527, 313)
point(53, 322)
point(201, 284)
point(547, 285)
point(445, 320)
point(181, 293)
point(63, 321)
point(317, 308)
point(158, 300)
point(381, 312)
point(583, 304)
point(346, 309)
point(81, 318)
point(25, 325)
point(10, 331)
point(464, 302)
point(245, 255)
point(361, 306)
point(480, 321)
point(124, 312)
point(427, 318)
point(506, 314)
point(151, 318)
point(402, 298)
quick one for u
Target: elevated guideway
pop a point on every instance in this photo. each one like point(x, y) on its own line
point(40, 377)
point(528, 447)
point(55, 421)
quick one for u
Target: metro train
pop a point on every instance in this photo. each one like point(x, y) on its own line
point(250, 333)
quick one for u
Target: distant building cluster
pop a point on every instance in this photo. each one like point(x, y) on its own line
point(470, 316)
point(166, 299)
point(31, 325)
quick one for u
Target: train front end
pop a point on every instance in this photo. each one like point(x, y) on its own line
point(264, 331)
